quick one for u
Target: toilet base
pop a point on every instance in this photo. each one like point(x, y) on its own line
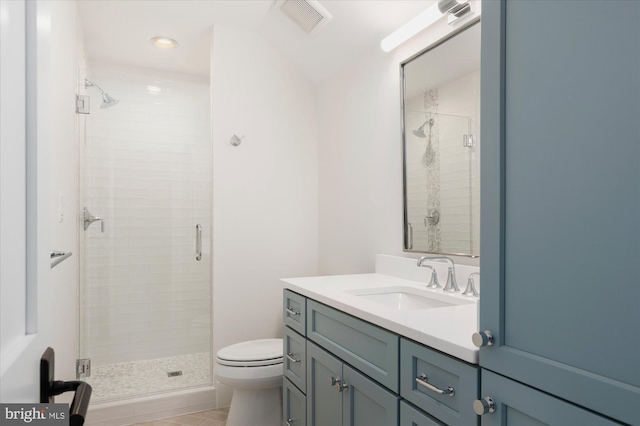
point(256, 407)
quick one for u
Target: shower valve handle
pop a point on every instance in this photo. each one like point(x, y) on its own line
point(88, 219)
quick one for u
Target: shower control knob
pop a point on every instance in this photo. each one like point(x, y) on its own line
point(484, 406)
point(482, 338)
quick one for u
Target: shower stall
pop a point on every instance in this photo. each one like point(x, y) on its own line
point(442, 177)
point(145, 203)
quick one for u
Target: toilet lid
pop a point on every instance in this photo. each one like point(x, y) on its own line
point(252, 353)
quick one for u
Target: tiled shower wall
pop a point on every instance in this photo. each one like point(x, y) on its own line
point(456, 105)
point(145, 167)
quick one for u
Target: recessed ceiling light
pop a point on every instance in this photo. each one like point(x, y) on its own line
point(163, 42)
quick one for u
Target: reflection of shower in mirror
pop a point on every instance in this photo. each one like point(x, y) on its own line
point(429, 153)
point(419, 132)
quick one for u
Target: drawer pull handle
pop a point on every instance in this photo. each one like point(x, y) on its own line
point(338, 384)
point(423, 380)
point(291, 358)
point(289, 422)
point(292, 312)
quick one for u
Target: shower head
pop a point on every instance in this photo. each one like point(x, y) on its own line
point(107, 100)
point(419, 132)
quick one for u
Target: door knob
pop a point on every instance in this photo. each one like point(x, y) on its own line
point(484, 406)
point(482, 338)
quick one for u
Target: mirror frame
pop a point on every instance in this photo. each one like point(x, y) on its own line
point(405, 231)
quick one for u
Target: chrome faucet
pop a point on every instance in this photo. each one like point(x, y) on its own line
point(471, 288)
point(452, 284)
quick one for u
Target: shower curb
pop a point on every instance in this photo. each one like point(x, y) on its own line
point(150, 408)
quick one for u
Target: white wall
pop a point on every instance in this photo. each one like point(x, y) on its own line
point(360, 159)
point(265, 190)
point(67, 57)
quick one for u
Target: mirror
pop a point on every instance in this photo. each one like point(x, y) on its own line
point(441, 137)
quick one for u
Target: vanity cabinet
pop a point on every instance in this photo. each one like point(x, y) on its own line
point(560, 190)
point(339, 395)
point(346, 371)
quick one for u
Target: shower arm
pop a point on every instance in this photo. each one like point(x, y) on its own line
point(88, 83)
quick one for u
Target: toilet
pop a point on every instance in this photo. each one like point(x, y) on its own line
point(253, 369)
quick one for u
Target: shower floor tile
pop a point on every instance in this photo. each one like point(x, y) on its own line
point(205, 418)
point(130, 379)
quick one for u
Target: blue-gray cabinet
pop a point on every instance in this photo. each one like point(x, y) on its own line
point(369, 348)
point(294, 404)
point(560, 190)
point(339, 395)
point(438, 384)
point(411, 416)
point(346, 371)
point(517, 404)
point(324, 396)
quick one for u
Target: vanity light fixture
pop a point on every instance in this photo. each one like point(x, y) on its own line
point(164, 42)
point(454, 8)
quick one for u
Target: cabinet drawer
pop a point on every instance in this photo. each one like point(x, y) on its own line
point(295, 358)
point(368, 348)
point(411, 416)
point(295, 311)
point(294, 405)
point(421, 367)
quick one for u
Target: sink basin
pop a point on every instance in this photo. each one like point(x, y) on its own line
point(407, 298)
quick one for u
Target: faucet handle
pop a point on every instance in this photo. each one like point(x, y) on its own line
point(471, 288)
point(452, 283)
point(433, 282)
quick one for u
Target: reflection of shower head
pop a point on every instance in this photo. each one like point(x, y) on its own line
point(107, 100)
point(419, 132)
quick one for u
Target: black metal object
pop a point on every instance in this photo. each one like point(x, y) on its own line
point(50, 388)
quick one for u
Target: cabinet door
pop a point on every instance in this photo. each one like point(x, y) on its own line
point(411, 416)
point(294, 405)
point(324, 402)
point(520, 405)
point(561, 199)
point(366, 403)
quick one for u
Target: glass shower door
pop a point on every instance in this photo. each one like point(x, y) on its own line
point(145, 294)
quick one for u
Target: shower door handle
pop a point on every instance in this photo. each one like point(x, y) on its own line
point(198, 242)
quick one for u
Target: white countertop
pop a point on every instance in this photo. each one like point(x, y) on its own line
point(447, 329)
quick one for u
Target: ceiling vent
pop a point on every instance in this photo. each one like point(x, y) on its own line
point(308, 15)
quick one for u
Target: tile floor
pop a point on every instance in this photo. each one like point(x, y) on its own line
point(129, 379)
point(205, 418)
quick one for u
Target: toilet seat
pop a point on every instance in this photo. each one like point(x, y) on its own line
point(254, 353)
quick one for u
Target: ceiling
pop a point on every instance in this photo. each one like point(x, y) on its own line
point(118, 31)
